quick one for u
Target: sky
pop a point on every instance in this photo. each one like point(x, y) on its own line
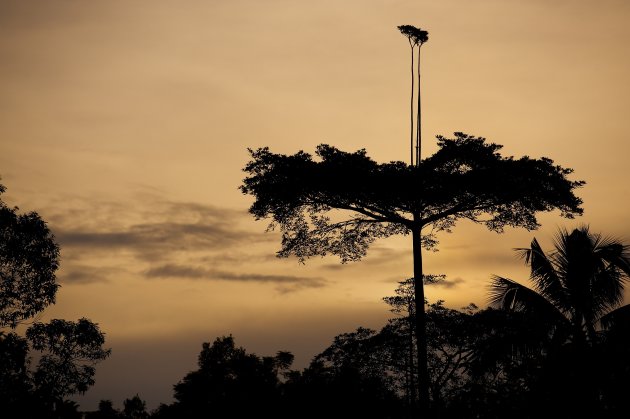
point(125, 125)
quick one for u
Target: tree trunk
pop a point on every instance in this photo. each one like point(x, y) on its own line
point(419, 118)
point(421, 331)
point(411, 106)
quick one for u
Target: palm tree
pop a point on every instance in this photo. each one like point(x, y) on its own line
point(577, 293)
point(576, 286)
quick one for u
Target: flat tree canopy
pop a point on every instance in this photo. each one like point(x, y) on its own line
point(340, 202)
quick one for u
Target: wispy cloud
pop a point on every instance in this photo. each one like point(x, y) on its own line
point(447, 283)
point(376, 257)
point(86, 274)
point(101, 239)
point(165, 227)
point(150, 238)
point(284, 283)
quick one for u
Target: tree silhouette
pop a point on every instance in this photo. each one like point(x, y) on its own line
point(67, 409)
point(29, 257)
point(69, 352)
point(342, 202)
point(373, 363)
point(417, 37)
point(496, 367)
point(578, 289)
point(15, 385)
point(356, 376)
point(577, 285)
point(403, 303)
point(105, 410)
point(230, 383)
point(135, 408)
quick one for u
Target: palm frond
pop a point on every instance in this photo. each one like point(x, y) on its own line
point(559, 256)
point(597, 271)
point(509, 295)
point(615, 254)
point(607, 290)
point(613, 269)
point(543, 274)
point(618, 319)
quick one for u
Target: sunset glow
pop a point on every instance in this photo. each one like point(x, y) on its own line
point(126, 125)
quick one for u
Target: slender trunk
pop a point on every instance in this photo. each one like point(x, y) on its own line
point(421, 332)
point(419, 118)
point(411, 107)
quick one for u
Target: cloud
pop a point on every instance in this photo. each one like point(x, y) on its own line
point(101, 239)
point(161, 235)
point(85, 274)
point(284, 283)
point(447, 283)
point(156, 230)
point(80, 277)
point(376, 257)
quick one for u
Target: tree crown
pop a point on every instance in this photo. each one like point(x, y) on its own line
point(341, 202)
point(415, 35)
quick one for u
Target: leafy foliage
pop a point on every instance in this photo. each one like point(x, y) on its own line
point(105, 411)
point(575, 286)
point(29, 257)
point(578, 288)
point(415, 35)
point(14, 377)
point(341, 202)
point(229, 381)
point(135, 408)
point(69, 352)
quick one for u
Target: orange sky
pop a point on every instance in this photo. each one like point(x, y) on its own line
point(125, 125)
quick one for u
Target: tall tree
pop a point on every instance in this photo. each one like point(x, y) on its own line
point(420, 37)
point(341, 202)
point(416, 37)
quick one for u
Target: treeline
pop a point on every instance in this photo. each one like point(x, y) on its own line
point(559, 349)
point(477, 371)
